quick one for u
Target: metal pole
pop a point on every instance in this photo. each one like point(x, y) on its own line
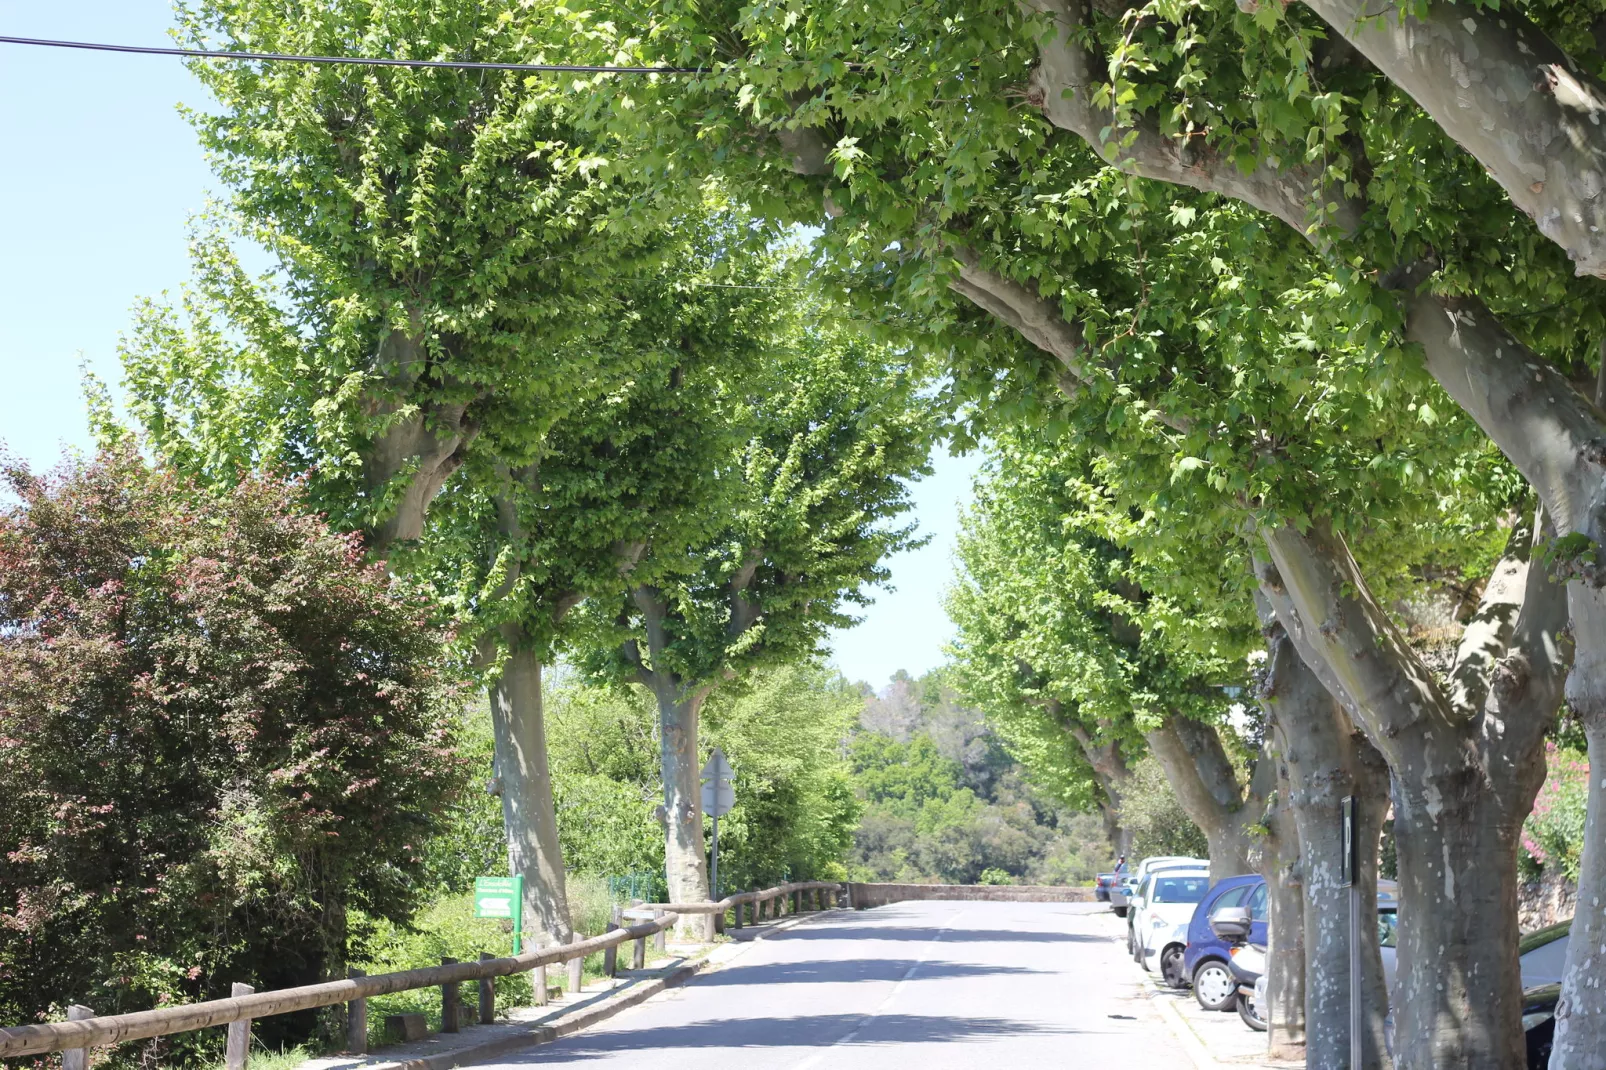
point(713, 878)
point(1355, 976)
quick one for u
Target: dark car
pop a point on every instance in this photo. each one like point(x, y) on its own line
point(1102, 883)
point(1206, 959)
point(1539, 1023)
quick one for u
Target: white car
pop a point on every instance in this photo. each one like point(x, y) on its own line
point(1161, 911)
point(1121, 894)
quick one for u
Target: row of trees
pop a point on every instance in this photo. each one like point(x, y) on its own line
point(1281, 299)
point(593, 424)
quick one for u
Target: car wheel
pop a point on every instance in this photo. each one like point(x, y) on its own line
point(1120, 912)
point(1130, 949)
point(1171, 967)
point(1214, 986)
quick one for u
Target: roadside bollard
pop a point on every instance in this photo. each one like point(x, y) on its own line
point(357, 1021)
point(238, 1045)
point(76, 1058)
point(487, 994)
point(577, 966)
point(610, 957)
point(450, 1002)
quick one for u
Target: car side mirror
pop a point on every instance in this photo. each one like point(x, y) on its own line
point(1231, 923)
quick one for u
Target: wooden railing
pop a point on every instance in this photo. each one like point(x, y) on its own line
point(83, 1030)
point(739, 906)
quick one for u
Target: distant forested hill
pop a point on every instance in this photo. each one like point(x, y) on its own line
point(943, 801)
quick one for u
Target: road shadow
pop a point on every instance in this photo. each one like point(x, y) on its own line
point(834, 971)
point(808, 1031)
point(926, 933)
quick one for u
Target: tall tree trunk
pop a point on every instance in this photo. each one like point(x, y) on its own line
point(1285, 928)
point(685, 860)
point(1463, 759)
point(1198, 769)
point(1110, 773)
point(528, 813)
point(1326, 759)
point(1458, 932)
point(1581, 1013)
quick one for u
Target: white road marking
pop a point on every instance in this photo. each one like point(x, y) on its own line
point(881, 1008)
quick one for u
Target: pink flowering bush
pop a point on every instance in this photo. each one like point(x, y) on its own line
point(1553, 835)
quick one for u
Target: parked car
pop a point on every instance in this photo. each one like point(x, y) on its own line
point(1121, 893)
point(1159, 920)
point(1206, 957)
point(1103, 882)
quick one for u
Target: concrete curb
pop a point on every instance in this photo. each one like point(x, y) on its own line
point(1184, 1033)
point(536, 1035)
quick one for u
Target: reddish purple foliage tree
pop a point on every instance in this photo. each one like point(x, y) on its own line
point(221, 730)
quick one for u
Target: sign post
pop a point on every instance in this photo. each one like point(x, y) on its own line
point(719, 796)
point(1350, 871)
point(501, 898)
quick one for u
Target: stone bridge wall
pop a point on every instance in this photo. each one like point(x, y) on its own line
point(863, 896)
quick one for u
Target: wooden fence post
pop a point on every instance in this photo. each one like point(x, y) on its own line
point(577, 966)
point(736, 915)
point(797, 901)
point(451, 1002)
point(487, 994)
point(660, 941)
point(610, 957)
point(238, 1046)
point(76, 1058)
point(638, 954)
point(542, 995)
point(357, 1021)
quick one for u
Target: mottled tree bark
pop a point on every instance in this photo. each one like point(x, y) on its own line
point(679, 706)
point(1198, 769)
point(1325, 759)
point(1111, 774)
point(1465, 766)
point(524, 779)
point(1508, 95)
point(1285, 923)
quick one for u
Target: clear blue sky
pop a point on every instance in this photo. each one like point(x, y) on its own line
point(101, 176)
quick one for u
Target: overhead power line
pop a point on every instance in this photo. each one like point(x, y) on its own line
point(350, 61)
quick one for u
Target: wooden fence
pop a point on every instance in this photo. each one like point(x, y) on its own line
point(83, 1030)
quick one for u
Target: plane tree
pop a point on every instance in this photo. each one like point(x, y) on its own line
point(898, 121)
point(817, 477)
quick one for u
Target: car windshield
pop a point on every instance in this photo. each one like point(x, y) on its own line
point(1180, 889)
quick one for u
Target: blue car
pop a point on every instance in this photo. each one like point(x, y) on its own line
point(1207, 956)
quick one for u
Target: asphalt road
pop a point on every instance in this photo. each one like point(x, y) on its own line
point(984, 986)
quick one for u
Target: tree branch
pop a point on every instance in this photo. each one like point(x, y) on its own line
point(1508, 95)
point(1062, 86)
point(1199, 771)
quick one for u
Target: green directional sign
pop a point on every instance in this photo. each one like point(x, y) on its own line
point(501, 898)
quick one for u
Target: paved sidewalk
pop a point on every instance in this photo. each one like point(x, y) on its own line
point(1213, 1038)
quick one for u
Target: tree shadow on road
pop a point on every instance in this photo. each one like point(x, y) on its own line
point(850, 931)
point(833, 971)
point(807, 1031)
